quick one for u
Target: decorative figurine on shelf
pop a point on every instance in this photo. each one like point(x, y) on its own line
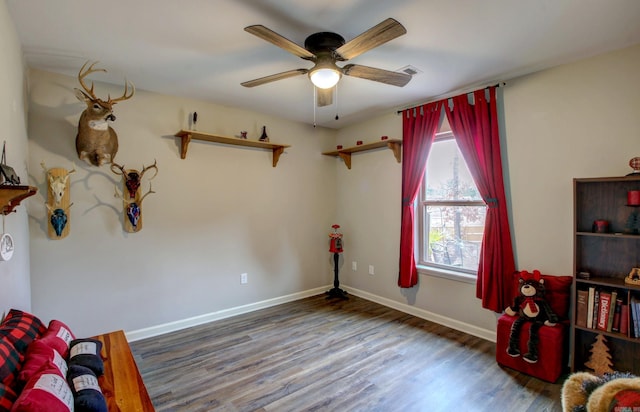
point(195, 120)
point(633, 278)
point(264, 137)
point(633, 223)
point(243, 134)
point(8, 176)
point(633, 200)
point(600, 360)
point(335, 247)
point(635, 165)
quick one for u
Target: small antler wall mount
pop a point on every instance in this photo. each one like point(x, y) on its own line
point(58, 201)
point(132, 196)
point(96, 141)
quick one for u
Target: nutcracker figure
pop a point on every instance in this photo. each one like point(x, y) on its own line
point(335, 247)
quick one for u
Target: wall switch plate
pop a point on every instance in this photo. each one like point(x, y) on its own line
point(354, 266)
point(244, 278)
point(371, 271)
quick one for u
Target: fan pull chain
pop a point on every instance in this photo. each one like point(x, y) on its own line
point(314, 105)
point(335, 92)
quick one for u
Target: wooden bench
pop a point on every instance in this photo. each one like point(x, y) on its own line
point(121, 383)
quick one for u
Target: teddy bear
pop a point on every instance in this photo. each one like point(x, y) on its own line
point(617, 391)
point(531, 307)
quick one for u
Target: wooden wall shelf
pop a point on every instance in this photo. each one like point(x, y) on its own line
point(187, 135)
point(345, 154)
point(11, 196)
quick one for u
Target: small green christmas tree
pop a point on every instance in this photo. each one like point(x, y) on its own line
point(633, 223)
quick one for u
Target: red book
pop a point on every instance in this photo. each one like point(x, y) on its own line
point(616, 316)
point(604, 307)
point(624, 319)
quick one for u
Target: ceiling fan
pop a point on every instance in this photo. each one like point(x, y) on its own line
point(325, 48)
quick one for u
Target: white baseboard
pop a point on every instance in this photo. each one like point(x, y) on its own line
point(152, 331)
point(157, 330)
point(487, 334)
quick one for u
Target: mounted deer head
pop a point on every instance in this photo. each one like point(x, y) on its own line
point(96, 141)
point(57, 184)
point(132, 177)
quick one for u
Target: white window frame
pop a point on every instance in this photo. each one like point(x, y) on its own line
point(430, 268)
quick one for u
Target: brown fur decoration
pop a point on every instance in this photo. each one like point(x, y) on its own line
point(585, 392)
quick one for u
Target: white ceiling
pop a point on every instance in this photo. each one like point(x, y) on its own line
point(198, 48)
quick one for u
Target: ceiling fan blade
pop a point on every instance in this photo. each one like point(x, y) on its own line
point(374, 37)
point(274, 77)
point(377, 75)
point(324, 96)
point(280, 41)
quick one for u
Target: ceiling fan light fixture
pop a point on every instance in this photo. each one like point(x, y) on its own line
point(324, 78)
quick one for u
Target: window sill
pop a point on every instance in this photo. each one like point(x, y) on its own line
point(447, 274)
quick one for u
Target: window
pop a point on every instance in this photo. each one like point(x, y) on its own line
point(451, 212)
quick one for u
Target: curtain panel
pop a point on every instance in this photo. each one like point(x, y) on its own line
point(475, 127)
point(419, 127)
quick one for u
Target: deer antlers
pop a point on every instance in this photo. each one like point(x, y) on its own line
point(133, 178)
point(120, 170)
point(84, 73)
point(96, 141)
point(153, 166)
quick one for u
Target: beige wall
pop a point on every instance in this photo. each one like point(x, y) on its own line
point(577, 120)
point(14, 274)
point(222, 211)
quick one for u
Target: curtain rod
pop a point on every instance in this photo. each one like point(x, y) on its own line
point(451, 94)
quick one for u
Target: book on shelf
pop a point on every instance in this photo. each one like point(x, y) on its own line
point(624, 319)
point(615, 327)
point(596, 309)
point(596, 304)
point(612, 310)
point(581, 308)
point(633, 309)
point(590, 304)
point(604, 306)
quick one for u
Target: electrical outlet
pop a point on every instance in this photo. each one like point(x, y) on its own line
point(244, 278)
point(354, 266)
point(371, 271)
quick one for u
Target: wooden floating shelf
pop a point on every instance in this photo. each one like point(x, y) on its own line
point(11, 196)
point(187, 135)
point(345, 154)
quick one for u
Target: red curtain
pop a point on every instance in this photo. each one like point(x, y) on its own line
point(475, 127)
point(419, 127)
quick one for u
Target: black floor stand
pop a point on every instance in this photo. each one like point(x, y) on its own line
point(336, 292)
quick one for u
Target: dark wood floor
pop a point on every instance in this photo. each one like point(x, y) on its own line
point(320, 355)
